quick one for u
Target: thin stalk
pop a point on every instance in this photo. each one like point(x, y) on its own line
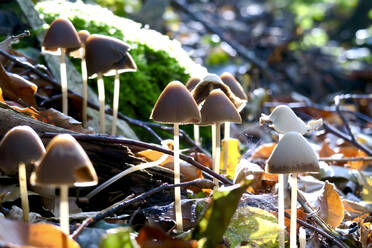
point(293, 234)
point(226, 151)
point(115, 103)
point(84, 75)
point(197, 135)
point(63, 72)
point(302, 237)
point(101, 98)
point(281, 210)
point(214, 145)
point(63, 210)
point(177, 190)
point(23, 190)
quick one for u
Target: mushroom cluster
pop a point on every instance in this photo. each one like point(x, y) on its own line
point(293, 154)
point(99, 54)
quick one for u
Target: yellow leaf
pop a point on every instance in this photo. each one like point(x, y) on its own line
point(366, 193)
point(228, 163)
point(151, 156)
point(331, 209)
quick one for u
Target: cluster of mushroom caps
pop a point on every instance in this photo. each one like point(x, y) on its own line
point(293, 154)
point(100, 55)
point(63, 164)
point(207, 102)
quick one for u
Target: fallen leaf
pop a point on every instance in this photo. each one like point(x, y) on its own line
point(330, 206)
point(355, 211)
point(325, 150)
point(366, 183)
point(287, 221)
point(232, 149)
point(263, 151)
point(366, 233)
point(118, 238)
point(20, 234)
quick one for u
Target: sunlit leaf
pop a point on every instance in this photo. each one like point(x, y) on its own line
point(263, 151)
point(366, 192)
point(118, 238)
point(231, 148)
point(326, 150)
point(330, 206)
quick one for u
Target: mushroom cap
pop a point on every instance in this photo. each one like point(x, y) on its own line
point(192, 82)
point(175, 105)
point(64, 163)
point(20, 144)
point(75, 52)
point(61, 34)
point(234, 85)
point(211, 82)
point(292, 154)
point(284, 120)
point(103, 52)
point(126, 64)
point(218, 108)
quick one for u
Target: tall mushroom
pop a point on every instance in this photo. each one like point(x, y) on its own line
point(175, 105)
point(64, 164)
point(293, 154)
point(61, 35)
point(13, 157)
point(238, 91)
point(216, 109)
point(80, 54)
point(105, 55)
point(190, 85)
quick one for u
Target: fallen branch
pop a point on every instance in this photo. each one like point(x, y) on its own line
point(366, 159)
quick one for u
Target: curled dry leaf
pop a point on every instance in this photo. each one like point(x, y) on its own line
point(366, 233)
point(355, 211)
point(20, 234)
point(330, 206)
point(263, 151)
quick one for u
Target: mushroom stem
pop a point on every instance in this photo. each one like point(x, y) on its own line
point(63, 81)
point(101, 98)
point(197, 134)
point(116, 102)
point(302, 237)
point(293, 234)
point(216, 129)
point(23, 190)
point(226, 151)
point(63, 210)
point(281, 210)
point(177, 190)
point(84, 75)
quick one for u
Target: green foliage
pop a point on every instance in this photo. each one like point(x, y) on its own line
point(118, 238)
point(121, 7)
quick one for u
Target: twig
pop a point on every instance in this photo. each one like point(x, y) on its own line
point(246, 54)
point(81, 227)
point(14, 38)
point(91, 137)
point(367, 159)
point(346, 124)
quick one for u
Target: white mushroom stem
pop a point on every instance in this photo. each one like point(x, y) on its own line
point(293, 234)
point(281, 210)
point(216, 143)
point(84, 75)
point(197, 135)
point(226, 151)
point(63, 210)
point(116, 102)
point(101, 98)
point(23, 190)
point(302, 237)
point(177, 190)
point(63, 72)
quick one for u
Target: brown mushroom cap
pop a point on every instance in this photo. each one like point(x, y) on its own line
point(75, 52)
point(211, 82)
point(61, 34)
point(175, 105)
point(217, 108)
point(20, 144)
point(192, 82)
point(64, 163)
point(292, 154)
point(126, 64)
point(234, 85)
point(103, 52)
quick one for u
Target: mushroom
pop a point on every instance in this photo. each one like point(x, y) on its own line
point(175, 105)
point(64, 164)
point(80, 54)
point(12, 157)
point(238, 91)
point(217, 108)
point(105, 56)
point(61, 35)
point(190, 85)
point(293, 154)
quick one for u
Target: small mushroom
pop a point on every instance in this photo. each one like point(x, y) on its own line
point(64, 164)
point(105, 56)
point(60, 36)
point(293, 154)
point(12, 157)
point(175, 105)
point(216, 109)
point(80, 54)
point(190, 85)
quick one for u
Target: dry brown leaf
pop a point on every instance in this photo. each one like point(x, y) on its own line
point(330, 206)
point(20, 234)
point(287, 221)
point(263, 151)
point(355, 211)
point(326, 151)
point(366, 233)
point(352, 152)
